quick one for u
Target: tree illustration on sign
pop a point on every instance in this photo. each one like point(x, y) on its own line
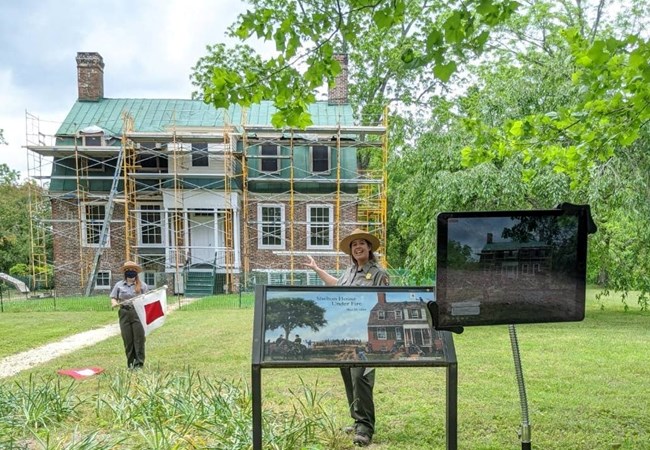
point(291, 313)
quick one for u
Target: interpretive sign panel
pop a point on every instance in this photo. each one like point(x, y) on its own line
point(342, 325)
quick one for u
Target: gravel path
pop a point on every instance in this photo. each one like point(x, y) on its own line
point(11, 365)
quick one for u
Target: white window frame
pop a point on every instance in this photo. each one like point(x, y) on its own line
point(141, 224)
point(100, 223)
point(329, 226)
point(381, 314)
point(261, 224)
point(109, 284)
point(398, 314)
point(329, 159)
point(382, 334)
point(151, 275)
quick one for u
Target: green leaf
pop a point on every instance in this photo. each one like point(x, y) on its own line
point(444, 71)
point(434, 39)
point(517, 128)
point(382, 19)
point(486, 7)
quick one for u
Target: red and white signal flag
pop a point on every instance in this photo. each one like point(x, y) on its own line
point(151, 309)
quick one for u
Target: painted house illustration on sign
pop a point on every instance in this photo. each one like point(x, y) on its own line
point(401, 327)
point(206, 200)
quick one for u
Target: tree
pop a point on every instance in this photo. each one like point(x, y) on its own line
point(291, 313)
point(2, 138)
point(467, 159)
point(610, 104)
point(8, 176)
point(397, 46)
point(14, 220)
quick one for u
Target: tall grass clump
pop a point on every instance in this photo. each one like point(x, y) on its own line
point(26, 409)
point(151, 410)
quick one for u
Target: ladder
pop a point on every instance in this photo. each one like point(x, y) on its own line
point(108, 214)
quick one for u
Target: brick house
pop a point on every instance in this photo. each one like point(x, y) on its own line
point(400, 326)
point(206, 200)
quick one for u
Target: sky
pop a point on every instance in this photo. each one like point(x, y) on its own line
point(148, 46)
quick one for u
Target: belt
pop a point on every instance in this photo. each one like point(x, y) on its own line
point(127, 307)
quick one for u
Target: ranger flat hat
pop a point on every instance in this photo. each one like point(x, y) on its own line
point(130, 265)
point(344, 245)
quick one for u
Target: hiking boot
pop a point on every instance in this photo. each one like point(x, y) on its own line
point(349, 430)
point(361, 440)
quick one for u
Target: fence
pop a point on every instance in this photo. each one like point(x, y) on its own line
point(13, 301)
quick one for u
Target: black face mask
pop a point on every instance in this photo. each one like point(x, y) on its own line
point(130, 273)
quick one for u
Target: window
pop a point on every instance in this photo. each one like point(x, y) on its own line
point(150, 279)
point(320, 158)
point(270, 232)
point(269, 164)
point(381, 334)
point(103, 280)
point(398, 334)
point(200, 154)
point(90, 164)
point(398, 314)
point(93, 222)
point(414, 314)
point(381, 315)
point(93, 141)
point(320, 227)
point(152, 163)
point(151, 229)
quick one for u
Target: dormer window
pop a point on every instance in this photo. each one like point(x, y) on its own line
point(93, 140)
point(92, 136)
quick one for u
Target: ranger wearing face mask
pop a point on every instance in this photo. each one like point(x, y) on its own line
point(130, 326)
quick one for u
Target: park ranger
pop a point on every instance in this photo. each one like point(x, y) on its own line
point(364, 270)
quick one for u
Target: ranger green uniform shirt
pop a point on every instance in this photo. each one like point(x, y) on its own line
point(370, 274)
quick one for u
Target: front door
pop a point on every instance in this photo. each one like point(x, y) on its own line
point(202, 238)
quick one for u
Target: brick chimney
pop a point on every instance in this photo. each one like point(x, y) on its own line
point(90, 76)
point(337, 93)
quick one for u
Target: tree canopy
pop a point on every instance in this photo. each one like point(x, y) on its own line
point(395, 45)
point(494, 105)
point(291, 313)
point(14, 220)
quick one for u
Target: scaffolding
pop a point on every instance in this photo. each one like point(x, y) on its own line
point(365, 208)
point(186, 208)
point(39, 209)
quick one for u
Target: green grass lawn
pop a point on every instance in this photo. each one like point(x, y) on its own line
point(586, 385)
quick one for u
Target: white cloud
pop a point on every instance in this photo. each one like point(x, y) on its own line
point(148, 47)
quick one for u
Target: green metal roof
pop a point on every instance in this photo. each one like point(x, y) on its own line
point(159, 115)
